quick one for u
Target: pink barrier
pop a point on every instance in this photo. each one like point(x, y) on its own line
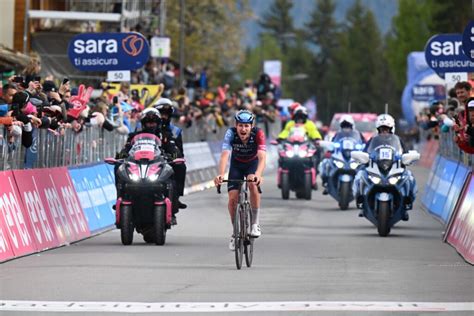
point(461, 229)
point(39, 210)
point(52, 206)
point(15, 235)
point(428, 153)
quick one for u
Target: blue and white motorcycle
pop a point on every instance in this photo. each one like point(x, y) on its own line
point(386, 186)
point(341, 168)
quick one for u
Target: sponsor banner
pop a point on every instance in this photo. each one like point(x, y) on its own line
point(107, 183)
point(273, 69)
point(6, 251)
point(198, 156)
point(468, 40)
point(443, 54)
point(454, 191)
point(90, 180)
point(108, 51)
point(52, 205)
point(90, 212)
point(461, 232)
point(445, 173)
point(62, 182)
point(433, 181)
point(40, 218)
point(16, 238)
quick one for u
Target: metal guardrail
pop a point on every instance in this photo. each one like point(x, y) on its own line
point(449, 149)
point(93, 144)
point(52, 149)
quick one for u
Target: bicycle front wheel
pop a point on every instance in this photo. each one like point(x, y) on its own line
point(248, 240)
point(238, 234)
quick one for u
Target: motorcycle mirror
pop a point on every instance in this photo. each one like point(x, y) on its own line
point(273, 142)
point(360, 157)
point(410, 157)
point(110, 161)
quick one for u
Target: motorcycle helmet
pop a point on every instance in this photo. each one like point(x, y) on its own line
point(244, 116)
point(292, 108)
point(300, 115)
point(385, 120)
point(165, 106)
point(150, 120)
point(346, 121)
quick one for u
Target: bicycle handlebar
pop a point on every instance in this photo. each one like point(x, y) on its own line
point(240, 181)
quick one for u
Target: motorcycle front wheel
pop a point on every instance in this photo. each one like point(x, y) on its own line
point(285, 186)
point(344, 195)
point(383, 219)
point(126, 224)
point(159, 228)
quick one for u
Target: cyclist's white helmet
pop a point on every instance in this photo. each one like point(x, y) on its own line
point(346, 118)
point(385, 120)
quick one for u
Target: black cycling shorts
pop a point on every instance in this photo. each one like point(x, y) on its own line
point(238, 170)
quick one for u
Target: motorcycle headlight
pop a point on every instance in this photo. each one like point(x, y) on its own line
point(134, 177)
point(339, 164)
point(353, 165)
point(375, 179)
point(290, 153)
point(153, 177)
point(302, 153)
point(393, 180)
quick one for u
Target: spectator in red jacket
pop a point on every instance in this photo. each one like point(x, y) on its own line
point(464, 128)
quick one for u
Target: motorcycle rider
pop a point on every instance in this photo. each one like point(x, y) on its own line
point(166, 109)
point(300, 116)
point(150, 121)
point(346, 127)
point(385, 125)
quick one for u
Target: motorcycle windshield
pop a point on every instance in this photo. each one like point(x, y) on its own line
point(145, 147)
point(385, 141)
point(350, 134)
point(383, 149)
point(297, 134)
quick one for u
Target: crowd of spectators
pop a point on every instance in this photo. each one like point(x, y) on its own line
point(456, 115)
point(29, 102)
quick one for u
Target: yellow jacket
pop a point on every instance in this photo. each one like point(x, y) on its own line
point(309, 126)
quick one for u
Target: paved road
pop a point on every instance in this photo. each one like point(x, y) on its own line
point(309, 251)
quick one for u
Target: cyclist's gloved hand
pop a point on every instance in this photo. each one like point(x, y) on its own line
point(218, 180)
point(258, 180)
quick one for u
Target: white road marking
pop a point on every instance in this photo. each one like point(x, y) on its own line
point(190, 307)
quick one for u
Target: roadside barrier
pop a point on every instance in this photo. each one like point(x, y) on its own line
point(448, 196)
point(460, 232)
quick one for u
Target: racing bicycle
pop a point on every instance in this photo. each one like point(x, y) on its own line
point(242, 224)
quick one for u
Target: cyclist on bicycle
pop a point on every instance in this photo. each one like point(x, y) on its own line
point(247, 145)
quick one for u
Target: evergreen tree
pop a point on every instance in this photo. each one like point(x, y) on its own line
point(279, 23)
point(358, 70)
point(322, 31)
point(410, 32)
point(449, 16)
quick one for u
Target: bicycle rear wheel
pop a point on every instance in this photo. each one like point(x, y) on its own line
point(238, 233)
point(248, 250)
